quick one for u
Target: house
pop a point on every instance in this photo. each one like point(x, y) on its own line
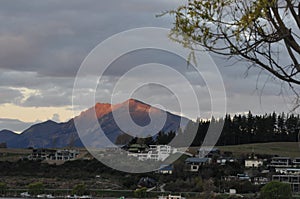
point(208, 152)
point(41, 154)
point(260, 180)
point(243, 177)
point(154, 152)
point(165, 169)
point(296, 162)
point(160, 152)
point(64, 155)
point(240, 177)
point(288, 170)
point(193, 164)
point(229, 178)
point(293, 180)
point(265, 171)
point(24, 194)
point(162, 148)
point(138, 148)
point(225, 160)
point(281, 162)
point(171, 197)
point(147, 182)
point(232, 191)
point(53, 154)
point(254, 163)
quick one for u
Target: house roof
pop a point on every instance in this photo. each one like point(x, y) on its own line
point(285, 158)
point(166, 168)
point(257, 160)
point(210, 149)
point(197, 160)
point(138, 146)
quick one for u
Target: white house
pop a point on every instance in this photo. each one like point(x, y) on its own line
point(253, 163)
point(225, 160)
point(288, 171)
point(281, 162)
point(156, 153)
point(53, 154)
point(171, 197)
point(64, 155)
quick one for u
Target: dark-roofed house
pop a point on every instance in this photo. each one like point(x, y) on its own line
point(193, 164)
point(165, 169)
point(147, 182)
point(208, 152)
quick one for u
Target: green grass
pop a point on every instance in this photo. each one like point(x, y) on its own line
point(290, 149)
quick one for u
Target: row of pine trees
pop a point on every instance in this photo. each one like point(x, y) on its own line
point(249, 128)
point(234, 130)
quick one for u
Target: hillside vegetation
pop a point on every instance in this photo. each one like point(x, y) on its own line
point(290, 149)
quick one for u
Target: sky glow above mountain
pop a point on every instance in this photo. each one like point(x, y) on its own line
point(43, 43)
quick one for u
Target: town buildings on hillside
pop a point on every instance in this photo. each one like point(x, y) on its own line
point(53, 154)
point(153, 152)
point(287, 170)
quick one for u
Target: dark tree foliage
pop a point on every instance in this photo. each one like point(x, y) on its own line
point(276, 190)
point(237, 129)
point(3, 188)
point(245, 129)
point(80, 190)
point(165, 138)
point(264, 33)
point(36, 188)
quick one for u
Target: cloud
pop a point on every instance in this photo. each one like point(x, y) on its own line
point(8, 95)
point(56, 117)
point(43, 46)
point(14, 125)
point(64, 32)
point(54, 97)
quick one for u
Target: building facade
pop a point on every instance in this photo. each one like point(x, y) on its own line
point(293, 180)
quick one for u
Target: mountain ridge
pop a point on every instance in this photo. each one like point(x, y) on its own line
point(50, 134)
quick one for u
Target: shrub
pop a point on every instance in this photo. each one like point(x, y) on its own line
point(36, 188)
point(80, 190)
point(276, 190)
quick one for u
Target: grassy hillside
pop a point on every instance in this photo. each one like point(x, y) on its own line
point(291, 149)
point(13, 154)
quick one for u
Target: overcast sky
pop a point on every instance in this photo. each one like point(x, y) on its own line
point(43, 43)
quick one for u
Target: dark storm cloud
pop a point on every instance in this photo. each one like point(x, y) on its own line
point(53, 37)
point(42, 43)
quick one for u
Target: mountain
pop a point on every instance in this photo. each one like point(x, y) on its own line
point(139, 113)
point(7, 136)
point(50, 134)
